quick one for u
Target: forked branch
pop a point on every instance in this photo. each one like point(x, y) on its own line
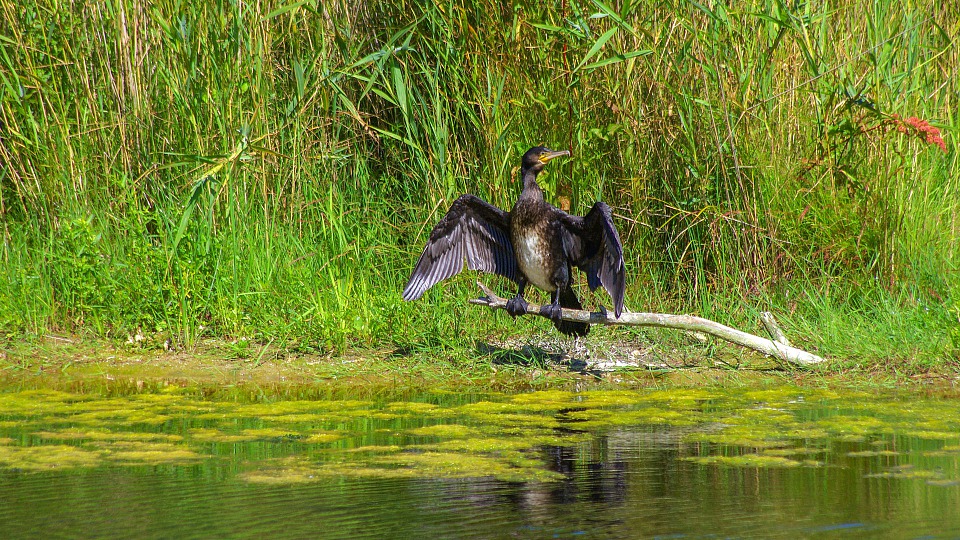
point(777, 349)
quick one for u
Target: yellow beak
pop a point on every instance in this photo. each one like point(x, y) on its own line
point(551, 154)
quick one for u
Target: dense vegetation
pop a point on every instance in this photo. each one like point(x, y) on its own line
point(271, 170)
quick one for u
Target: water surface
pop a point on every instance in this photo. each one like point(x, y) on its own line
point(680, 463)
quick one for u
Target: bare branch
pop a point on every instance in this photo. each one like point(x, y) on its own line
point(680, 322)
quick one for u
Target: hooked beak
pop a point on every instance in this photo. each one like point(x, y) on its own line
point(551, 154)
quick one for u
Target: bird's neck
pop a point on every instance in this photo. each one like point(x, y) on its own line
point(530, 187)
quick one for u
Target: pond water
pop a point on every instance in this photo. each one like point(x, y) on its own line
point(679, 463)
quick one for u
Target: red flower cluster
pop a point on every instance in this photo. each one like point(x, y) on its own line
point(921, 128)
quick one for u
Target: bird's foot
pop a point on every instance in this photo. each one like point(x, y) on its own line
point(552, 312)
point(516, 306)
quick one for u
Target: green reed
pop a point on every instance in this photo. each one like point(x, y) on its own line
point(271, 170)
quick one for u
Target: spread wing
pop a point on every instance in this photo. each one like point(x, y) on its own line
point(592, 244)
point(473, 230)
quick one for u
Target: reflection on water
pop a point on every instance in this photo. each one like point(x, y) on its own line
point(782, 462)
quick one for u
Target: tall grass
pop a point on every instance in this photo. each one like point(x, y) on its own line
point(272, 169)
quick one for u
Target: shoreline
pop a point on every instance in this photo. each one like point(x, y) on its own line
point(92, 365)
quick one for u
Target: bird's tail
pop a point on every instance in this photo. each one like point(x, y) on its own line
point(569, 300)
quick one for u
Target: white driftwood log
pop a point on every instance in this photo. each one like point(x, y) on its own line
point(680, 322)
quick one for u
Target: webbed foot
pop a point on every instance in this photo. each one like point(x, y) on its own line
point(516, 306)
point(552, 312)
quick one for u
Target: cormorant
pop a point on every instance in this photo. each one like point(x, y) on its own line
point(534, 243)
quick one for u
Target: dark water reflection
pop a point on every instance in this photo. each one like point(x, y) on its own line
point(734, 465)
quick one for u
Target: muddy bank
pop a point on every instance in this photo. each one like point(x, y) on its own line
point(72, 363)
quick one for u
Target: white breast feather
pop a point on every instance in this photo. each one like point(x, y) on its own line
point(532, 263)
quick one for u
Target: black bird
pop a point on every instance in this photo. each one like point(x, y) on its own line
point(534, 243)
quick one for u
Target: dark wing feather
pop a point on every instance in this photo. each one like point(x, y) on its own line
point(473, 230)
point(592, 244)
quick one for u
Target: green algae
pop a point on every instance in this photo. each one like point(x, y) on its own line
point(511, 467)
point(745, 436)
point(949, 450)
point(47, 457)
point(104, 435)
point(121, 417)
point(271, 433)
point(873, 453)
point(155, 457)
point(933, 435)
point(212, 435)
point(480, 445)
point(500, 436)
point(909, 474)
point(130, 453)
point(787, 452)
point(760, 461)
point(322, 438)
point(375, 449)
point(447, 431)
point(855, 427)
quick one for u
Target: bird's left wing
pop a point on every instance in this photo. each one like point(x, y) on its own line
point(592, 244)
point(472, 230)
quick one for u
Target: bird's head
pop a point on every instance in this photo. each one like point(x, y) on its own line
point(537, 157)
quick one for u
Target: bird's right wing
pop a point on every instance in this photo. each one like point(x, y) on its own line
point(473, 230)
point(593, 245)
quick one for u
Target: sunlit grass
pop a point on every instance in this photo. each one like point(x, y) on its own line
point(270, 171)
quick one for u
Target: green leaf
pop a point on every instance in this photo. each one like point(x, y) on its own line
point(617, 58)
point(284, 9)
point(547, 27)
point(601, 41)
